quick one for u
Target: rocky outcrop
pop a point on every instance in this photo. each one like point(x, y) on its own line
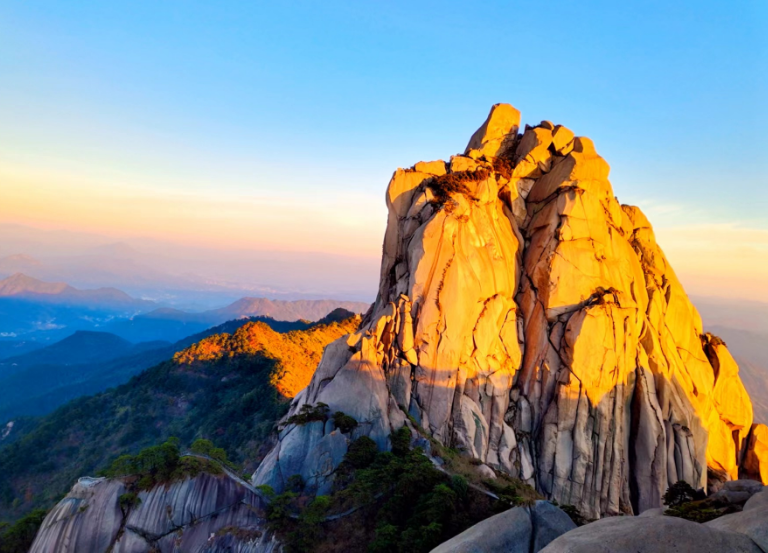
point(650, 535)
point(752, 521)
point(87, 520)
point(652, 531)
point(518, 530)
point(205, 514)
point(527, 318)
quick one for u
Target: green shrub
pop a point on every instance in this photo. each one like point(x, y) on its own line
point(18, 537)
point(679, 493)
point(295, 483)
point(309, 413)
point(459, 485)
point(401, 503)
point(344, 422)
point(385, 539)
point(574, 514)
point(401, 441)
point(696, 511)
point(159, 464)
point(308, 531)
point(279, 511)
point(206, 447)
point(361, 453)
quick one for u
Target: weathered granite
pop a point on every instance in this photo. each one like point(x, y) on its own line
point(527, 318)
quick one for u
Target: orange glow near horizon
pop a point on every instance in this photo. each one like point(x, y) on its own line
point(223, 221)
point(722, 260)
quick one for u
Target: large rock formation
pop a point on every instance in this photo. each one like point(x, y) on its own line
point(205, 514)
point(529, 319)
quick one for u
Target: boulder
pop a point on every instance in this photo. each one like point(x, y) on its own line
point(656, 512)
point(549, 523)
point(751, 522)
point(518, 530)
point(757, 501)
point(650, 535)
point(749, 486)
point(733, 497)
point(484, 471)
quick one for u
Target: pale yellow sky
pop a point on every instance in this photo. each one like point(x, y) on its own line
point(352, 224)
point(723, 259)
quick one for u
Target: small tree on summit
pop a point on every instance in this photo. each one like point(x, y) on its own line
point(679, 493)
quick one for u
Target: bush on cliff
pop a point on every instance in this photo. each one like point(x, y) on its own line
point(18, 537)
point(159, 464)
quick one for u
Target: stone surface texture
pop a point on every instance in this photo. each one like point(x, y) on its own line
point(207, 513)
point(650, 535)
point(527, 318)
point(522, 529)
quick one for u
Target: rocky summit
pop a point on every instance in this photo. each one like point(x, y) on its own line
point(528, 319)
point(526, 324)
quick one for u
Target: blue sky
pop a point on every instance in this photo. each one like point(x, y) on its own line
point(312, 105)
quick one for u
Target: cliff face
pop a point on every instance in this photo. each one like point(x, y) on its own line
point(526, 317)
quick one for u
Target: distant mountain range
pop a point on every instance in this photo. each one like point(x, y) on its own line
point(184, 276)
point(34, 310)
point(232, 393)
point(88, 362)
point(21, 286)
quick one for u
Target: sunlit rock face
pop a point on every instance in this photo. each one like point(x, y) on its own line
point(756, 457)
point(526, 317)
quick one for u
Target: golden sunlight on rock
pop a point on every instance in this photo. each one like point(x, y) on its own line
point(528, 319)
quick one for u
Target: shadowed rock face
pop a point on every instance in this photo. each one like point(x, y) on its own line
point(528, 318)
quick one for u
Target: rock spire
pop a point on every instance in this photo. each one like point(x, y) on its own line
point(527, 318)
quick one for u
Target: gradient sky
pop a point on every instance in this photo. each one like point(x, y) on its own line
point(277, 125)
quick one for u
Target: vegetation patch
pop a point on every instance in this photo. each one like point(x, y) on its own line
point(393, 502)
point(309, 413)
point(685, 502)
point(455, 183)
point(160, 464)
point(504, 166)
point(18, 537)
point(344, 422)
point(230, 390)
